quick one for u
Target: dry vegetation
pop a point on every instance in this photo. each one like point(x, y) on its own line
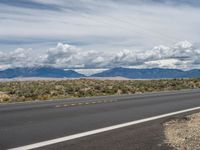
point(184, 133)
point(42, 90)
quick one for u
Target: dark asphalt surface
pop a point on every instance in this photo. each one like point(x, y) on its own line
point(146, 136)
point(26, 123)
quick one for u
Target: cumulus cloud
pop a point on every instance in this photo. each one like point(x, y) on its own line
point(63, 54)
point(68, 56)
point(182, 55)
point(165, 63)
point(17, 58)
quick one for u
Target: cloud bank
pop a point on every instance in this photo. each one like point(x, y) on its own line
point(182, 55)
point(100, 33)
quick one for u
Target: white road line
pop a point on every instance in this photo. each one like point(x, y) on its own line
point(79, 135)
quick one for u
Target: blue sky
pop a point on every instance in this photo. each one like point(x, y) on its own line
point(99, 33)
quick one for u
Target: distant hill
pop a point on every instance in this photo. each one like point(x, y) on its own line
point(154, 73)
point(39, 72)
point(50, 72)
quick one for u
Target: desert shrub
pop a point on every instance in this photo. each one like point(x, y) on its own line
point(43, 90)
point(4, 97)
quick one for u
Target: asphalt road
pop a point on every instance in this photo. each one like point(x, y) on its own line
point(26, 123)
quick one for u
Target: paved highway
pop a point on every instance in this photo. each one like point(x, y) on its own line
point(27, 123)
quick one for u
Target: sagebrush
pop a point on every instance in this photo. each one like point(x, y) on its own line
point(42, 90)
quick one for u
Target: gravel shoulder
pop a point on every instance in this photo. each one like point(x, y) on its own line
point(184, 133)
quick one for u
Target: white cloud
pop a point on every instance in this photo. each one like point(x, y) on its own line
point(18, 57)
point(183, 55)
point(165, 63)
point(62, 54)
point(68, 56)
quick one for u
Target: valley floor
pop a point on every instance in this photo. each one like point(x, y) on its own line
point(31, 90)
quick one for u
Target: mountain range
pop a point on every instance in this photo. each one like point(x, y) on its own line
point(154, 73)
point(39, 72)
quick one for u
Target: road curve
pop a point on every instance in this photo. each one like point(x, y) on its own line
point(27, 123)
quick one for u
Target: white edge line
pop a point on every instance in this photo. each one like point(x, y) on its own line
point(79, 135)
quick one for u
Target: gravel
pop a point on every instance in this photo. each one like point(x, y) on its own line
point(184, 133)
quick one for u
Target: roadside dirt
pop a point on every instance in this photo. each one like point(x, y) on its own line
point(184, 133)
